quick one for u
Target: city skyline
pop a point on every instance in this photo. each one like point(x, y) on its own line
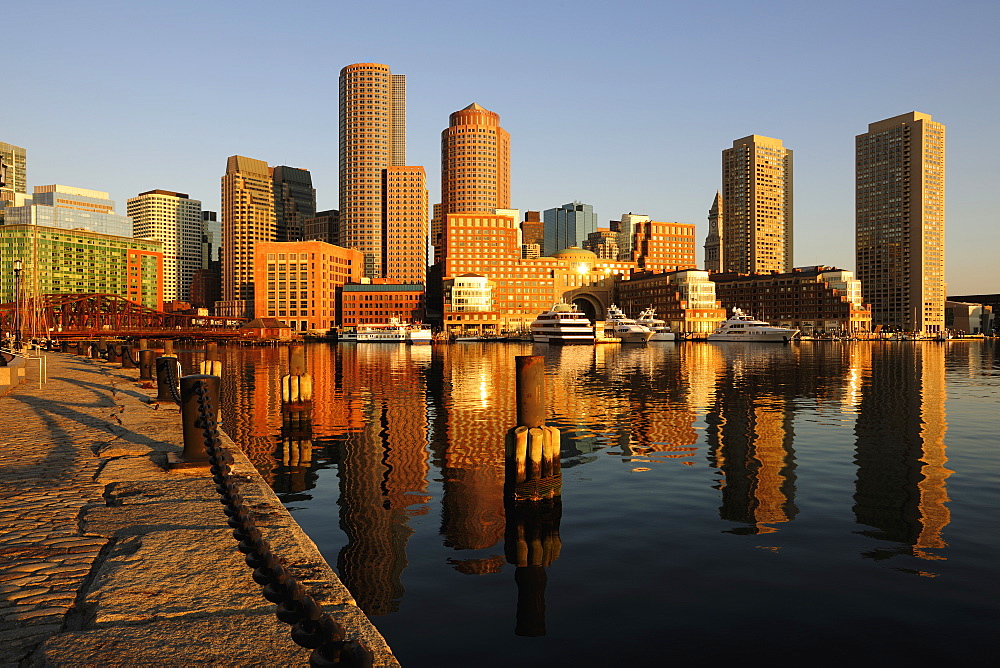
point(645, 138)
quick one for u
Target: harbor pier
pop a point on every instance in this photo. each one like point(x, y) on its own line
point(108, 557)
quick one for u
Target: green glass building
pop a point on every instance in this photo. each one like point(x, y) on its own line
point(61, 261)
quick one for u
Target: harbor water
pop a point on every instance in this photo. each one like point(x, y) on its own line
point(817, 503)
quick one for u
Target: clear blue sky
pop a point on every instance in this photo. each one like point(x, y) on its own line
point(626, 106)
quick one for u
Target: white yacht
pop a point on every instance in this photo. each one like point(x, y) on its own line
point(562, 323)
point(619, 328)
point(741, 327)
point(419, 335)
point(661, 330)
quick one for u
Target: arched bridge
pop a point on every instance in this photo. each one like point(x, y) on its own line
point(101, 315)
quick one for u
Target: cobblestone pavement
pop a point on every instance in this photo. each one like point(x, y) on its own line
point(49, 437)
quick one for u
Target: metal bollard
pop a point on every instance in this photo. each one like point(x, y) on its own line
point(530, 390)
point(146, 364)
point(164, 379)
point(95, 351)
point(114, 354)
point(168, 347)
point(194, 453)
point(64, 346)
point(126, 355)
point(143, 344)
point(296, 359)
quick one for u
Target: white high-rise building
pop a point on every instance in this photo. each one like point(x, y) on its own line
point(174, 220)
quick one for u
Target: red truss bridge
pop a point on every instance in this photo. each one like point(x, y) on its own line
point(60, 316)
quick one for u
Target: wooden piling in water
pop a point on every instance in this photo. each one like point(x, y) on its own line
point(532, 448)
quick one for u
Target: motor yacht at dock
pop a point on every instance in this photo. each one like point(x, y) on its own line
point(661, 330)
point(741, 327)
point(562, 323)
point(619, 328)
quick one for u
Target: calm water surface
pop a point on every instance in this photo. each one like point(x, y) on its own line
point(820, 503)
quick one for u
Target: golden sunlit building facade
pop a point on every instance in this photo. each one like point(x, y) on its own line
point(247, 220)
point(757, 195)
point(297, 282)
point(475, 162)
point(372, 139)
point(404, 195)
point(899, 233)
point(486, 248)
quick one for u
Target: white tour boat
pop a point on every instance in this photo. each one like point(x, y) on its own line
point(661, 330)
point(741, 327)
point(619, 328)
point(394, 331)
point(562, 324)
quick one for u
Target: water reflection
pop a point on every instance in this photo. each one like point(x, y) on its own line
point(415, 431)
point(900, 451)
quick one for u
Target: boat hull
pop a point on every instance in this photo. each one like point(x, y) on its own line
point(754, 337)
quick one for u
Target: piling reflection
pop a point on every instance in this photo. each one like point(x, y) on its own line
point(900, 491)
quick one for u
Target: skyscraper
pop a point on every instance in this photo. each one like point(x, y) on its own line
point(404, 254)
point(899, 221)
point(70, 208)
point(174, 220)
point(294, 201)
point(757, 192)
point(247, 218)
point(372, 139)
point(475, 162)
point(569, 225)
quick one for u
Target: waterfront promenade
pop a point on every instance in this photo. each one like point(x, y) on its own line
point(108, 558)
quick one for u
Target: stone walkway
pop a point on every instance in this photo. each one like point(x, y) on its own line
point(107, 557)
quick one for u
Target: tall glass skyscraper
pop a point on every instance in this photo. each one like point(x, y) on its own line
point(568, 226)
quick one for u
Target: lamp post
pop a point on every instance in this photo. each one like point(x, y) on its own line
point(18, 266)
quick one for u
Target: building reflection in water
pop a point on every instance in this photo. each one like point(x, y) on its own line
point(900, 454)
point(749, 435)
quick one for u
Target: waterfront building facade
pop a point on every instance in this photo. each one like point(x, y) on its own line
point(757, 193)
point(294, 202)
point(404, 254)
point(899, 221)
point(713, 242)
point(377, 301)
point(298, 282)
point(484, 247)
point(68, 207)
point(324, 226)
point(685, 299)
point(475, 162)
point(372, 139)
point(175, 220)
point(247, 220)
point(568, 226)
point(77, 261)
point(815, 300)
